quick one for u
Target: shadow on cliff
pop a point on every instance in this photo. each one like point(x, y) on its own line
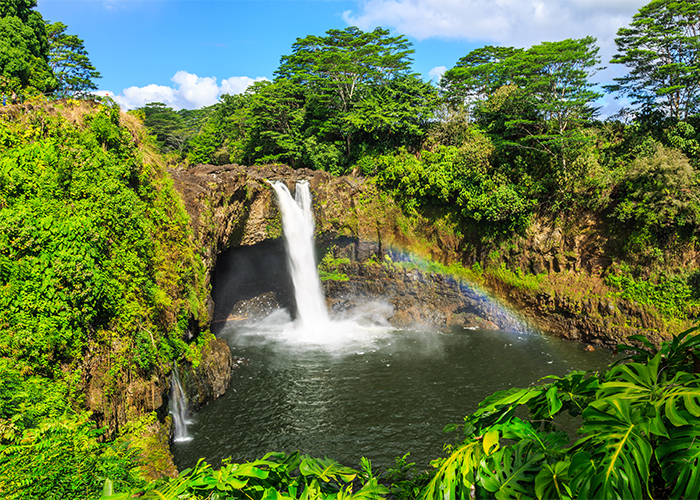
point(244, 273)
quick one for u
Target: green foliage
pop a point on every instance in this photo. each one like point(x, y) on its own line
point(345, 75)
point(69, 62)
point(406, 484)
point(344, 62)
point(95, 256)
point(535, 99)
point(328, 268)
point(659, 192)
point(674, 296)
point(680, 354)
point(174, 131)
point(24, 50)
point(395, 114)
point(275, 125)
point(450, 179)
point(64, 458)
point(79, 241)
point(275, 476)
point(639, 434)
point(517, 278)
point(477, 75)
point(660, 48)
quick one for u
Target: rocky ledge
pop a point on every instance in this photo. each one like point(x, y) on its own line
point(232, 206)
point(418, 299)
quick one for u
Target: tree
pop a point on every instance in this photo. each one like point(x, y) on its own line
point(221, 138)
point(69, 62)
point(396, 114)
point(167, 126)
point(549, 101)
point(557, 75)
point(477, 75)
point(339, 67)
point(276, 111)
point(24, 49)
point(662, 50)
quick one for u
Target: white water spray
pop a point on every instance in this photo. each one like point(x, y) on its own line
point(178, 408)
point(313, 327)
point(298, 224)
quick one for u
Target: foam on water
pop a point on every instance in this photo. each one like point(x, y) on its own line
point(313, 327)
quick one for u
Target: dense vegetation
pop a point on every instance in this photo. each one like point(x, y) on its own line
point(98, 277)
point(40, 57)
point(509, 136)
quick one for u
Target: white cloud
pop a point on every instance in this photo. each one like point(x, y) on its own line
point(238, 84)
point(520, 23)
point(189, 92)
point(436, 73)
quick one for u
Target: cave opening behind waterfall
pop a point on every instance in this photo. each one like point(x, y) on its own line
point(257, 275)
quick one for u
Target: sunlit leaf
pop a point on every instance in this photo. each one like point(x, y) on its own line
point(617, 443)
point(510, 472)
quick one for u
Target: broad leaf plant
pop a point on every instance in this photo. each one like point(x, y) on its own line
point(639, 434)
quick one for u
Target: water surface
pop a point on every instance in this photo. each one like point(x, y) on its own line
point(380, 394)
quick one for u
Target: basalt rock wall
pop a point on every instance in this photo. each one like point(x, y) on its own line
point(232, 206)
point(418, 299)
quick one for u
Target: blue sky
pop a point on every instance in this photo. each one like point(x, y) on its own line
point(187, 52)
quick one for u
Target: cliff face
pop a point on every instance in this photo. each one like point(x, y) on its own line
point(233, 206)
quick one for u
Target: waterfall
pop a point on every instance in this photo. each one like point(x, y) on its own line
point(298, 226)
point(178, 408)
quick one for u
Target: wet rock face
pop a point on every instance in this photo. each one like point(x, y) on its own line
point(591, 320)
point(233, 205)
point(115, 400)
point(210, 378)
point(418, 299)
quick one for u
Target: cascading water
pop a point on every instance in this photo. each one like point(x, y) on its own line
point(298, 225)
point(353, 386)
point(178, 408)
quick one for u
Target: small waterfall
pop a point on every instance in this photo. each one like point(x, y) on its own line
point(178, 408)
point(298, 225)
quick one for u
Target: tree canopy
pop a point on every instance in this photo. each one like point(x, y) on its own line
point(24, 49)
point(339, 68)
point(344, 61)
point(477, 75)
point(69, 62)
point(661, 48)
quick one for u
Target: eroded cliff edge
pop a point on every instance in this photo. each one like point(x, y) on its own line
point(233, 206)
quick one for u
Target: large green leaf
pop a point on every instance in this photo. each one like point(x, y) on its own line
point(619, 451)
point(499, 407)
point(677, 355)
point(457, 473)
point(326, 469)
point(572, 393)
point(681, 399)
point(553, 481)
point(510, 472)
point(550, 443)
point(633, 382)
point(679, 457)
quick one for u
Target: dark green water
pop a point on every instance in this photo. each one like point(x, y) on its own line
point(379, 396)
